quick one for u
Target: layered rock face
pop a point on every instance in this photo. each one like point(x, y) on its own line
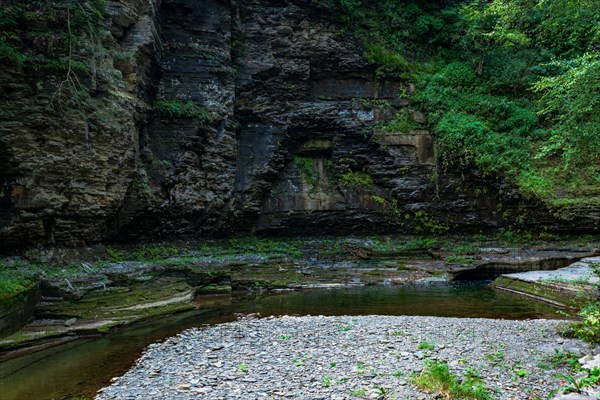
point(294, 139)
point(69, 146)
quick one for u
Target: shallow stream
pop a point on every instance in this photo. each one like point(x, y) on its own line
point(81, 367)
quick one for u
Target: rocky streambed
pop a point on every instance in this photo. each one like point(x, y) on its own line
point(374, 357)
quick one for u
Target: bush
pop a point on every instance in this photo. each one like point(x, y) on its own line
point(588, 329)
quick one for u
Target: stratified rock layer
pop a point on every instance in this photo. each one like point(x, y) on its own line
point(293, 144)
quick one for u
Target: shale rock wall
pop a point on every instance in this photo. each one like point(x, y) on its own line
point(293, 143)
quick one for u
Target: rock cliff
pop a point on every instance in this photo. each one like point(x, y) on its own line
point(218, 117)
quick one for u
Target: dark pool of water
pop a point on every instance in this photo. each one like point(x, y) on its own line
point(80, 368)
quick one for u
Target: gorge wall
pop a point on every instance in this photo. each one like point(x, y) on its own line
point(284, 132)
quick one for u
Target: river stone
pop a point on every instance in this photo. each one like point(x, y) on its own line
point(352, 360)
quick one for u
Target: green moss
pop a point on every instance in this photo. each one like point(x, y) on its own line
point(14, 288)
point(114, 303)
point(572, 295)
point(16, 280)
point(174, 108)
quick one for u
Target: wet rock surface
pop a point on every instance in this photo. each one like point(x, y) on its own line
point(345, 357)
point(577, 272)
point(94, 297)
point(572, 285)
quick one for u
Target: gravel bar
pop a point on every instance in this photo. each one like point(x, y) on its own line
point(348, 357)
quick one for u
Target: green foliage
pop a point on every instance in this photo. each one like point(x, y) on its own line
point(18, 276)
point(370, 103)
point(155, 253)
point(252, 245)
point(437, 378)
point(174, 108)
point(307, 167)
point(402, 122)
point(426, 346)
point(357, 179)
point(44, 33)
point(115, 255)
point(243, 368)
point(588, 328)
point(560, 358)
point(570, 105)
point(425, 223)
point(578, 384)
point(518, 103)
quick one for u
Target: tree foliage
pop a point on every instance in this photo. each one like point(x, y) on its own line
point(511, 87)
point(47, 34)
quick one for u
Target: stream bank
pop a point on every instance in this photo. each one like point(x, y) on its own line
point(80, 367)
point(83, 297)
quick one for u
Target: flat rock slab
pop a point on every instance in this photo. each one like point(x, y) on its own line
point(372, 357)
point(579, 272)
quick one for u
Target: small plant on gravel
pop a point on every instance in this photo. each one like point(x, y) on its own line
point(299, 363)
point(472, 373)
point(426, 346)
point(326, 381)
point(382, 392)
point(284, 337)
point(344, 328)
point(560, 358)
point(397, 373)
point(520, 372)
point(543, 365)
point(437, 377)
point(332, 364)
point(578, 385)
point(243, 368)
point(358, 393)
point(496, 358)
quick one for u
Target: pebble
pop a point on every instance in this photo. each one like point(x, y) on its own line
point(313, 358)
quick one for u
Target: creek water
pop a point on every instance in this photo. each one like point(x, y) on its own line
point(81, 367)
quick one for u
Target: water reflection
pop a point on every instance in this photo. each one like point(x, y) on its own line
point(82, 367)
